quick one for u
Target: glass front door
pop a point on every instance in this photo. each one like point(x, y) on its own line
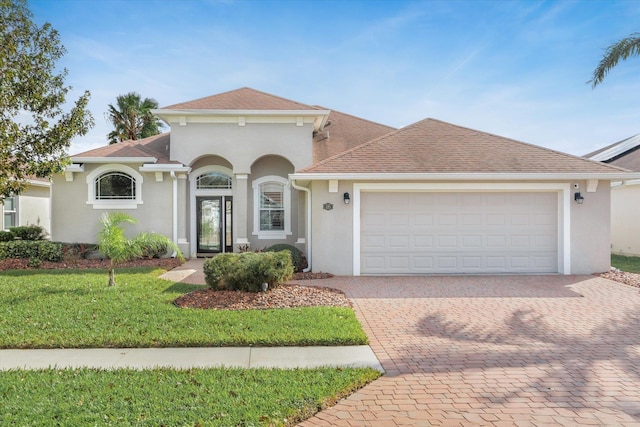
point(214, 224)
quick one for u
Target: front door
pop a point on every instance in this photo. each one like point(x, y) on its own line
point(214, 225)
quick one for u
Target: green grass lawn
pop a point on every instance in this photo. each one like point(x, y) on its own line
point(76, 309)
point(197, 397)
point(630, 264)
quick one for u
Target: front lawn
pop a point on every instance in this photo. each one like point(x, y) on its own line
point(629, 264)
point(196, 397)
point(76, 308)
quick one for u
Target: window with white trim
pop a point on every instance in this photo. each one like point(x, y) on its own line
point(272, 208)
point(10, 209)
point(114, 186)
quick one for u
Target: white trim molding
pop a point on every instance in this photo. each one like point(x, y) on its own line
point(113, 204)
point(286, 202)
point(562, 189)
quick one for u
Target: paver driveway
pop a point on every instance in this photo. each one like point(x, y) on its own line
point(505, 350)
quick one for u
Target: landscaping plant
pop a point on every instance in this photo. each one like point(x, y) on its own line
point(248, 271)
point(113, 242)
point(297, 257)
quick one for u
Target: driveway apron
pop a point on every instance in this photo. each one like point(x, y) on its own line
point(495, 350)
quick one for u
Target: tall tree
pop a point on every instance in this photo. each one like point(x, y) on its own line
point(132, 119)
point(620, 50)
point(35, 131)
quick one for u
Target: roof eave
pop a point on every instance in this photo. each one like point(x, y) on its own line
point(114, 159)
point(164, 168)
point(463, 176)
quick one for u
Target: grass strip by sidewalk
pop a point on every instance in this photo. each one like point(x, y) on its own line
point(629, 264)
point(203, 397)
point(76, 309)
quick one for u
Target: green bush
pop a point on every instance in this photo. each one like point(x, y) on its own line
point(41, 250)
point(6, 236)
point(248, 271)
point(297, 257)
point(29, 232)
point(152, 245)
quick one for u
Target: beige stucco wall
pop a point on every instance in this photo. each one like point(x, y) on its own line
point(625, 220)
point(73, 220)
point(242, 145)
point(332, 233)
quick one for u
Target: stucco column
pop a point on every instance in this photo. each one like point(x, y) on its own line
point(183, 240)
point(240, 210)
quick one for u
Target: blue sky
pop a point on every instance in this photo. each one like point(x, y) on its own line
point(514, 68)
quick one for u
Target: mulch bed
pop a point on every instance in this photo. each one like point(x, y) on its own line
point(284, 296)
point(23, 264)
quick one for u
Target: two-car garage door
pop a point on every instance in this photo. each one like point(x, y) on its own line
point(460, 232)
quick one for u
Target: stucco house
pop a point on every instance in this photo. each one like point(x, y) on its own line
point(246, 168)
point(31, 207)
point(625, 195)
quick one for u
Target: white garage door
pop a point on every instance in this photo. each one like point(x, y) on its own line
point(423, 233)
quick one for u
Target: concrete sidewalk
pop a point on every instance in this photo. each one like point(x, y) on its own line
point(184, 358)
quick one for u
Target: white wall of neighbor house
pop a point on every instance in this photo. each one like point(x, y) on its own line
point(74, 220)
point(33, 207)
point(625, 222)
point(588, 250)
point(242, 145)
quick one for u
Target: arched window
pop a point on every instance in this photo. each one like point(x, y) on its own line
point(213, 181)
point(115, 186)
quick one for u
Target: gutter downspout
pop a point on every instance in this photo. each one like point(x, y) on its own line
point(306, 190)
point(175, 210)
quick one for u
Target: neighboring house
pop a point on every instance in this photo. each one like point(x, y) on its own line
point(31, 207)
point(625, 195)
point(245, 168)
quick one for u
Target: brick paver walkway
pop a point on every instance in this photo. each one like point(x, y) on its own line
point(487, 350)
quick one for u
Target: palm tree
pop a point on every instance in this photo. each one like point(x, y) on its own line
point(622, 49)
point(132, 118)
point(114, 244)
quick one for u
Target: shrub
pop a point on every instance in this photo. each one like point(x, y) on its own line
point(297, 257)
point(152, 245)
point(29, 232)
point(248, 271)
point(41, 250)
point(76, 251)
point(6, 236)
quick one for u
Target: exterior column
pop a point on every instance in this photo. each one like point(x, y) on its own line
point(183, 239)
point(240, 211)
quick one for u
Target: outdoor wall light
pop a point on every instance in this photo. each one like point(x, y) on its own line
point(327, 206)
point(578, 198)
point(346, 198)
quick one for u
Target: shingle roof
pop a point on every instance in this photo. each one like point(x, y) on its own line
point(154, 146)
point(343, 132)
point(241, 99)
point(433, 146)
point(625, 153)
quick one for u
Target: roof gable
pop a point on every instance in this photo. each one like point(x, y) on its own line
point(241, 99)
point(433, 146)
point(625, 153)
point(156, 146)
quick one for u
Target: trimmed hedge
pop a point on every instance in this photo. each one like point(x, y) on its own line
point(6, 236)
point(42, 250)
point(29, 232)
point(248, 271)
point(297, 257)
